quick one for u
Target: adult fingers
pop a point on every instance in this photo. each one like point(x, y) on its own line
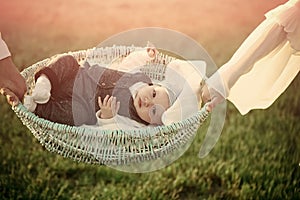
point(214, 102)
point(19, 88)
point(11, 98)
point(205, 94)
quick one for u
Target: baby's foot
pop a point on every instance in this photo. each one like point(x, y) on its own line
point(29, 103)
point(151, 50)
point(41, 93)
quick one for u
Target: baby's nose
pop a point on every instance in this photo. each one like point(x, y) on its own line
point(147, 102)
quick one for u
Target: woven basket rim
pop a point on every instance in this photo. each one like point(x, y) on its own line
point(134, 131)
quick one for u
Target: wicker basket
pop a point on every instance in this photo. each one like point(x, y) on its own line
point(110, 147)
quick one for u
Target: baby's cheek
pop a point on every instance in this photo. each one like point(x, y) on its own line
point(155, 118)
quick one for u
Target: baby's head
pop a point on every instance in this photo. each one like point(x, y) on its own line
point(150, 102)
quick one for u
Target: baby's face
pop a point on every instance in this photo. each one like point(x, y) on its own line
point(150, 102)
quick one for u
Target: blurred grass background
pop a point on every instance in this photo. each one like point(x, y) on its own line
point(256, 157)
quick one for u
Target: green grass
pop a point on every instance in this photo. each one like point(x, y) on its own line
point(256, 157)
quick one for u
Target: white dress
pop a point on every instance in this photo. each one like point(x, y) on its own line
point(265, 64)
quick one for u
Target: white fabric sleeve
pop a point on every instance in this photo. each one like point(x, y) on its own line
point(4, 52)
point(261, 69)
point(102, 122)
point(244, 59)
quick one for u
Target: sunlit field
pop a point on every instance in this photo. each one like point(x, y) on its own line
point(256, 157)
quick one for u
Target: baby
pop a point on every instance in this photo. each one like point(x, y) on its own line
point(69, 93)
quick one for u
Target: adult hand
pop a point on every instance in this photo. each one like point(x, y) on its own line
point(109, 107)
point(12, 84)
point(212, 97)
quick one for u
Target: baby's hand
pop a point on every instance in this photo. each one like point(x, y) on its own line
point(109, 107)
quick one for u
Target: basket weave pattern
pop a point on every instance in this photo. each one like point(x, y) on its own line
point(111, 147)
